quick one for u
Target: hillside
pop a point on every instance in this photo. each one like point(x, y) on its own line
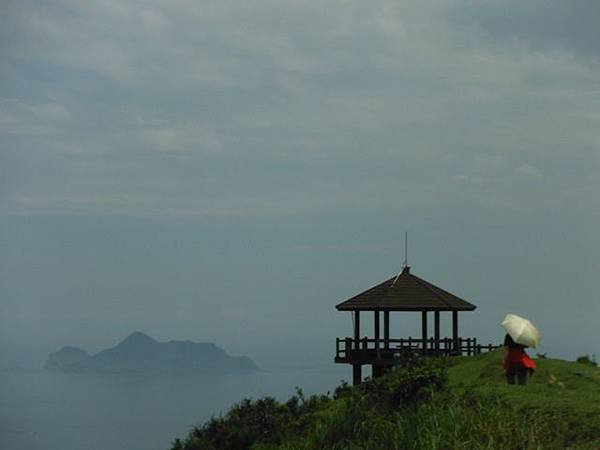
point(139, 352)
point(456, 403)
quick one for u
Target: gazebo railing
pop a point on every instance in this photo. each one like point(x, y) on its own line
point(345, 348)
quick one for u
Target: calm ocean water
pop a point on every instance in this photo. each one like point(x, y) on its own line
point(52, 411)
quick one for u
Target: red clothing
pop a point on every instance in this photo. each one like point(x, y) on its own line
point(516, 357)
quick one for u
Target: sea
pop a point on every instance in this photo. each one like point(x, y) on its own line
point(41, 410)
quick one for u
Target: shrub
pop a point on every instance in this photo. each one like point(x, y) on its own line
point(587, 360)
point(404, 386)
point(253, 421)
point(364, 414)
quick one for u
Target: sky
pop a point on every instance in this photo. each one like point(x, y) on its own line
point(230, 171)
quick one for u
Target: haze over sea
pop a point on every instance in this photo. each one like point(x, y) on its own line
point(67, 411)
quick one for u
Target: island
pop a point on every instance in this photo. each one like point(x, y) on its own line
point(139, 352)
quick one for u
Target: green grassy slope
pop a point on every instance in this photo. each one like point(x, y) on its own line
point(568, 391)
point(457, 403)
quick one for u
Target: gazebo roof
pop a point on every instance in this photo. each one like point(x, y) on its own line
point(405, 292)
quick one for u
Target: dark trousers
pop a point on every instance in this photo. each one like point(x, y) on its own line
point(519, 372)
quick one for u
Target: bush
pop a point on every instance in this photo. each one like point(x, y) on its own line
point(249, 422)
point(403, 387)
point(587, 360)
point(362, 413)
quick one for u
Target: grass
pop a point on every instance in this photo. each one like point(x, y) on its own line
point(567, 392)
point(455, 403)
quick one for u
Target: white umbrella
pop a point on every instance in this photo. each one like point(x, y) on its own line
point(521, 330)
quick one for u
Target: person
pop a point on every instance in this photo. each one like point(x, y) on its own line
point(516, 362)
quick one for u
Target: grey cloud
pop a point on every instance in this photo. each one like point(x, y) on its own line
point(185, 107)
point(542, 24)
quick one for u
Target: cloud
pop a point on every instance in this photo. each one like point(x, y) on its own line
point(541, 24)
point(184, 138)
point(33, 118)
point(529, 171)
point(265, 108)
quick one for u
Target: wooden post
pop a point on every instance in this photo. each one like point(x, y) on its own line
point(376, 370)
point(436, 331)
point(356, 330)
point(376, 313)
point(356, 374)
point(424, 329)
point(455, 330)
point(386, 330)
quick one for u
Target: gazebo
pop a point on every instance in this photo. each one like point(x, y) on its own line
point(403, 292)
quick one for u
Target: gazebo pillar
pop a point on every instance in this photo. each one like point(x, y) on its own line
point(356, 368)
point(455, 330)
point(424, 329)
point(377, 369)
point(386, 330)
point(356, 374)
point(376, 314)
point(436, 329)
point(356, 330)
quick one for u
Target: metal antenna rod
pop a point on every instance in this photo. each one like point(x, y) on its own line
point(405, 248)
point(405, 263)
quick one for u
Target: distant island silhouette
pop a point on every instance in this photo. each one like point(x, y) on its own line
point(140, 352)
